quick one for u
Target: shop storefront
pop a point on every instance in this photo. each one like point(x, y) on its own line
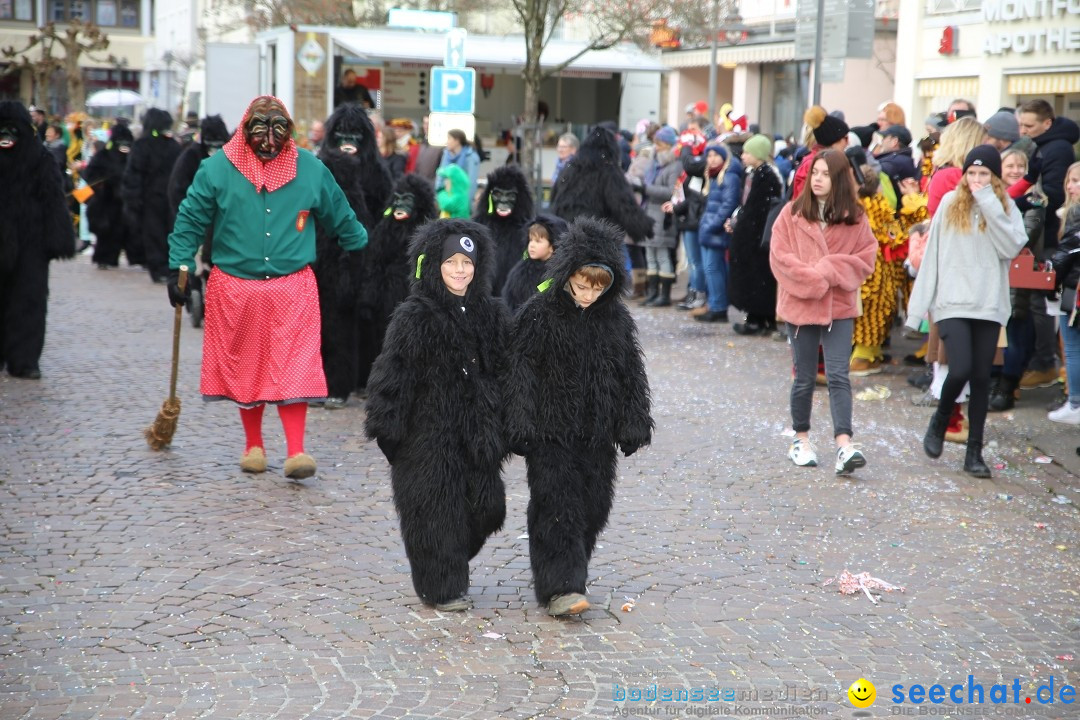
point(995, 53)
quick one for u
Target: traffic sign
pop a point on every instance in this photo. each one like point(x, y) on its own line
point(439, 124)
point(455, 48)
point(453, 90)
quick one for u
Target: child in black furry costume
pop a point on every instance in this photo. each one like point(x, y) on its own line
point(145, 190)
point(386, 271)
point(593, 185)
point(213, 134)
point(105, 208)
point(350, 152)
point(435, 408)
point(576, 391)
point(506, 209)
point(530, 271)
point(35, 227)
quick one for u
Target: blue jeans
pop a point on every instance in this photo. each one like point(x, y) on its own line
point(1070, 338)
point(716, 274)
point(694, 259)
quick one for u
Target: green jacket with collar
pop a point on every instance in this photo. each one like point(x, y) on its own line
point(260, 234)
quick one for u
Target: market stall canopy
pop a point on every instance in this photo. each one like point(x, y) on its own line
point(114, 98)
point(487, 51)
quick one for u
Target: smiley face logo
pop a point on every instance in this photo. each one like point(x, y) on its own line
point(862, 693)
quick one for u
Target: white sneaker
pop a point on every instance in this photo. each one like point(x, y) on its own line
point(848, 459)
point(1066, 414)
point(802, 453)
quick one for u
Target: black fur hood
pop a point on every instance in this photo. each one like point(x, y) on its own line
point(27, 145)
point(213, 128)
point(599, 148)
point(424, 206)
point(121, 132)
point(156, 121)
point(589, 242)
point(427, 275)
point(507, 176)
point(556, 227)
point(351, 119)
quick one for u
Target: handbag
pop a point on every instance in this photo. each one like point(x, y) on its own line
point(1027, 274)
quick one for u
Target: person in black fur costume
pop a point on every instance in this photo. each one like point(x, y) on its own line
point(35, 227)
point(506, 209)
point(521, 284)
point(144, 189)
point(105, 208)
point(386, 271)
point(751, 285)
point(435, 408)
point(593, 185)
point(576, 391)
point(351, 153)
point(213, 134)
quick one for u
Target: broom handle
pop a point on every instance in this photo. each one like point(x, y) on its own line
point(181, 283)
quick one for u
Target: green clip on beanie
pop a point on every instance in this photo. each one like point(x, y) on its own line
point(760, 147)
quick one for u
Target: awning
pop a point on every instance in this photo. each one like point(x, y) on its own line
point(949, 87)
point(737, 55)
point(486, 51)
point(1044, 83)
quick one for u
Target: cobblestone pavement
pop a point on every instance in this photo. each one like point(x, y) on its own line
point(136, 584)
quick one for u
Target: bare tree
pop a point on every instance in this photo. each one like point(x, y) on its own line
point(610, 23)
point(77, 39)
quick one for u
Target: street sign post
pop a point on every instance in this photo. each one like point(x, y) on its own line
point(455, 48)
point(439, 124)
point(453, 90)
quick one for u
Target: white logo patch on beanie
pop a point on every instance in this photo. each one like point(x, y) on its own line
point(467, 244)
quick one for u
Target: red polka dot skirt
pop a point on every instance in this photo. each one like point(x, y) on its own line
point(261, 339)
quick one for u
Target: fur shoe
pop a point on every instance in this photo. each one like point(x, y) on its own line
point(253, 461)
point(299, 466)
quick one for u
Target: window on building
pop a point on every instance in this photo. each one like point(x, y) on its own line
point(17, 10)
point(106, 13)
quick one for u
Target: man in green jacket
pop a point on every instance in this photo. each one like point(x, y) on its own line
point(261, 341)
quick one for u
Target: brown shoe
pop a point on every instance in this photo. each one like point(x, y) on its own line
point(300, 466)
point(253, 461)
point(699, 310)
point(569, 604)
point(861, 367)
point(1039, 378)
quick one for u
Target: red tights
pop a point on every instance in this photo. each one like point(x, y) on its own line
point(293, 419)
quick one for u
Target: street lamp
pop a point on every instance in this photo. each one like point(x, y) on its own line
point(168, 57)
point(119, 63)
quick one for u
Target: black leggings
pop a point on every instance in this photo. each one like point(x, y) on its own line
point(970, 345)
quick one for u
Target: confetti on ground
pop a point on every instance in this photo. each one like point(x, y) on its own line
point(1044, 460)
point(1062, 500)
point(878, 392)
point(1040, 526)
point(493, 635)
point(629, 605)
point(849, 584)
point(1063, 657)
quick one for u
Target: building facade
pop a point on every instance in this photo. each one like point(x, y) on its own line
point(995, 53)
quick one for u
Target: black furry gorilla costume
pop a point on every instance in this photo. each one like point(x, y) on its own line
point(593, 185)
point(506, 209)
point(386, 270)
point(435, 408)
point(528, 273)
point(35, 227)
point(576, 389)
point(350, 152)
point(105, 208)
point(213, 134)
point(144, 188)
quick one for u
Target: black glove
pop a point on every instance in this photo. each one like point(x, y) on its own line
point(629, 449)
point(389, 449)
point(1034, 169)
point(178, 297)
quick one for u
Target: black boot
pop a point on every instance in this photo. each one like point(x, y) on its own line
point(1002, 396)
point(652, 288)
point(973, 461)
point(663, 297)
point(934, 441)
point(687, 303)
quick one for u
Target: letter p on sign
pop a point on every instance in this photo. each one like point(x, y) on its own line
point(453, 90)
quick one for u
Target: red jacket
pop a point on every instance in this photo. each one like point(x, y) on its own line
point(819, 272)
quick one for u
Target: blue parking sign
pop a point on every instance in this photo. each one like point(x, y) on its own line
point(453, 90)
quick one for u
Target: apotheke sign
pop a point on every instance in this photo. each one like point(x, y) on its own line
point(1056, 26)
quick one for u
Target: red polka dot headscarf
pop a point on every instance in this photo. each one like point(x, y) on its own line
point(273, 174)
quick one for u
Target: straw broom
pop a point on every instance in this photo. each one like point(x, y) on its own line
point(160, 433)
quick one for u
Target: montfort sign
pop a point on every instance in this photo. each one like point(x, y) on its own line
point(1047, 26)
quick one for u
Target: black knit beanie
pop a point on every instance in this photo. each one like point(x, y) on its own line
point(458, 244)
point(830, 130)
point(985, 156)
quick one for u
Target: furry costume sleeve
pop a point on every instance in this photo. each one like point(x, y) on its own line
point(392, 383)
point(634, 426)
point(56, 230)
